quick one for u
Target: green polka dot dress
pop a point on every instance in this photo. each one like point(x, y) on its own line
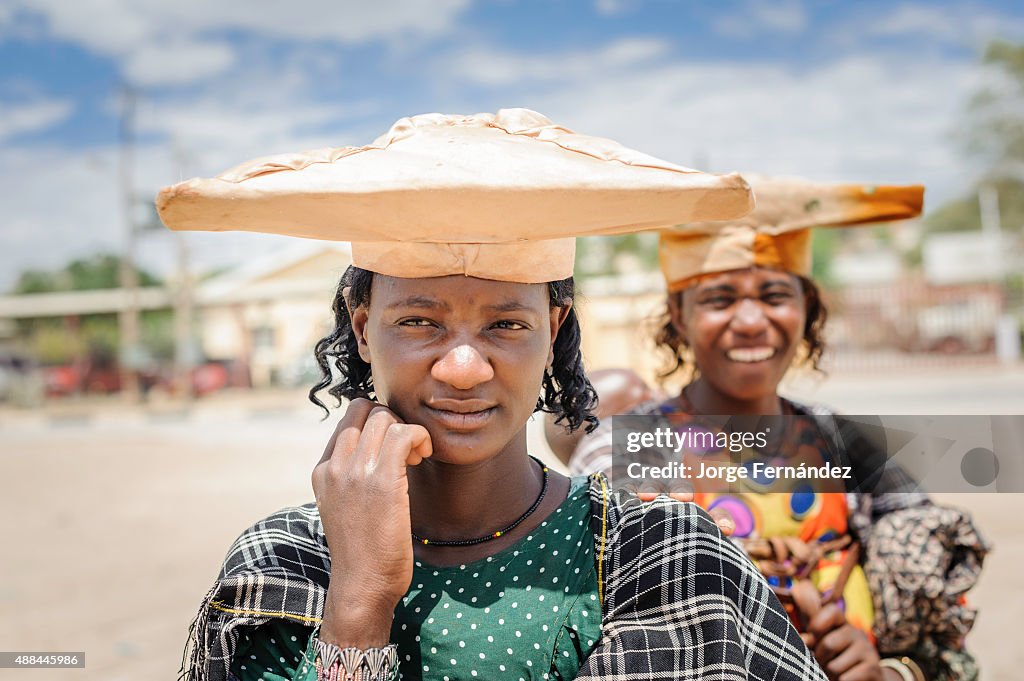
point(276, 651)
point(528, 612)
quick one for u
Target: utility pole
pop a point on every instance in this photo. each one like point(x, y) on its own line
point(1007, 331)
point(129, 279)
point(184, 345)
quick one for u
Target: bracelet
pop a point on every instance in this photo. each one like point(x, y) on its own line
point(904, 666)
point(355, 664)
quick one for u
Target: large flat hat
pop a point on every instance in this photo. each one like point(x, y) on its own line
point(497, 196)
point(777, 233)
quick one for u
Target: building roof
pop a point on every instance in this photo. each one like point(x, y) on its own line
point(308, 268)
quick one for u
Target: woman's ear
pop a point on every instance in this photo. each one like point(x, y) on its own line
point(360, 317)
point(676, 313)
point(558, 317)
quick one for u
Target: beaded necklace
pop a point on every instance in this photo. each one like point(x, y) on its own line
point(493, 535)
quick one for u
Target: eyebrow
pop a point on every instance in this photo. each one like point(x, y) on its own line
point(778, 282)
point(509, 306)
point(719, 288)
point(421, 302)
point(729, 288)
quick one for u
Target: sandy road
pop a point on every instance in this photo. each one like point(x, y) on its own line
point(113, 527)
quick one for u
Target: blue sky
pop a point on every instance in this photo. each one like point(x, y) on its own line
point(865, 91)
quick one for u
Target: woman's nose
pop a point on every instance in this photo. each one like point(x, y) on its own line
point(462, 367)
point(749, 318)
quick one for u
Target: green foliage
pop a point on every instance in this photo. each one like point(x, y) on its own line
point(158, 333)
point(824, 243)
point(51, 345)
point(995, 130)
point(962, 215)
point(60, 341)
point(600, 256)
point(101, 271)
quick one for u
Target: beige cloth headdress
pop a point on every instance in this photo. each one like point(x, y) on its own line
point(777, 233)
point(497, 196)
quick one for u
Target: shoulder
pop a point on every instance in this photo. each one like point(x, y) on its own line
point(277, 569)
point(291, 538)
point(593, 452)
point(680, 537)
point(624, 512)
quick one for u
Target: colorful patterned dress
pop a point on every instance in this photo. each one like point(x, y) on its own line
point(782, 523)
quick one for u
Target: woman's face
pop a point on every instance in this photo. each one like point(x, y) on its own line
point(744, 328)
point(461, 356)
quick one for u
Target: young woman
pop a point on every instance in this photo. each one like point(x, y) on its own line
point(437, 547)
point(741, 312)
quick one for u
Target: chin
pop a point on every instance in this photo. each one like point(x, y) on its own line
point(749, 388)
point(461, 449)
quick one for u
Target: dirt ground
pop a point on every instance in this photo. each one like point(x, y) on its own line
point(115, 520)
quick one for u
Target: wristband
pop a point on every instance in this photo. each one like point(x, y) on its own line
point(355, 664)
point(903, 666)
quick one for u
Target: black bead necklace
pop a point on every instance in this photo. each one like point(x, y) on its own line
point(493, 535)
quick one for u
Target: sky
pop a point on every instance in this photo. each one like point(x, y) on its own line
point(833, 91)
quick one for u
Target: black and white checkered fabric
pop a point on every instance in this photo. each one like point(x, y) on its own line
point(679, 601)
point(278, 568)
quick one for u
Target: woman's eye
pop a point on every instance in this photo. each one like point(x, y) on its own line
point(777, 298)
point(414, 322)
point(718, 302)
point(508, 324)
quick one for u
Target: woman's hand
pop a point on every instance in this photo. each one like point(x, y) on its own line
point(843, 651)
point(721, 516)
point(362, 493)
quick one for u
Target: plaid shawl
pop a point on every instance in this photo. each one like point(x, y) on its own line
point(678, 600)
point(913, 547)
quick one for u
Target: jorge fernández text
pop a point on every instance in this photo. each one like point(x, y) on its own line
point(758, 470)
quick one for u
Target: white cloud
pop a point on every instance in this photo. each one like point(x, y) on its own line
point(121, 25)
point(755, 18)
point(240, 117)
point(177, 63)
point(56, 203)
point(60, 205)
point(26, 117)
point(876, 117)
point(151, 37)
point(62, 202)
point(873, 118)
point(487, 66)
point(610, 8)
point(952, 25)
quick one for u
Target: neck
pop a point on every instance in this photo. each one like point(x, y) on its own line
point(464, 501)
point(707, 399)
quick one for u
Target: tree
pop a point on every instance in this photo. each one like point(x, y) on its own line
point(996, 113)
point(600, 256)
point(993, 131)
point(98, 271)
point(94, 335)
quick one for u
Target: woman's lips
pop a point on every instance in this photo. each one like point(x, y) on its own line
point(462, 420)
point(751, 355)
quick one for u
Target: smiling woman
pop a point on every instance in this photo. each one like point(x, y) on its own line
point(741, 311)
point(437, 547)
point(744, 329)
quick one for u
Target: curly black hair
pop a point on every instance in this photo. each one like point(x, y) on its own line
point(566, 391)
point(673, 346)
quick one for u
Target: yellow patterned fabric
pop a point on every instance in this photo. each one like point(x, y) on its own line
point(802, 510)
